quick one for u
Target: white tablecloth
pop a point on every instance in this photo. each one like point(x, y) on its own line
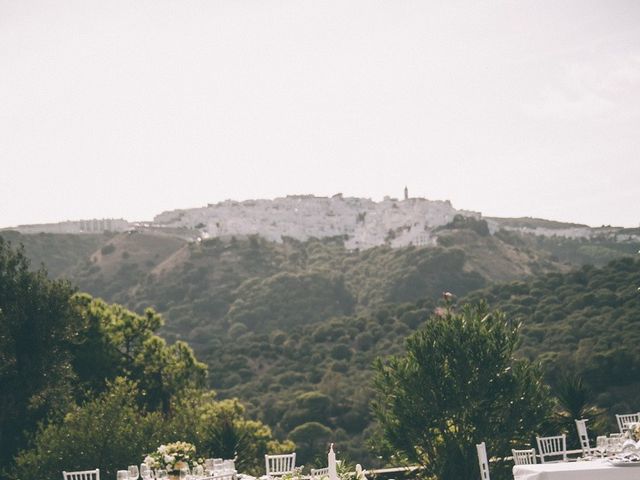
point(592, 470)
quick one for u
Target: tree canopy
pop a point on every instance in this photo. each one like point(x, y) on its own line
point(87, 384)
point(37, 328)
point(459, 384)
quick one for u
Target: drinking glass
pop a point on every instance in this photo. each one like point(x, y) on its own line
point(184, 473)
point(601, 445)
point(162, 474)
point(208, 466)
point(123, 475)
point(198, 471)
point(133, 472)
point(619, 442)
point(145, 471)
point(616, 444)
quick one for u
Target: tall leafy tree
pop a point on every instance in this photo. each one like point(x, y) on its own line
point(458, 385)
point(37, 325)
point(108, 432)
point(311, 439)
point(115, 341)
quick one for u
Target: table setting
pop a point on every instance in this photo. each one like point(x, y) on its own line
point(613, 458)
point(178, 461)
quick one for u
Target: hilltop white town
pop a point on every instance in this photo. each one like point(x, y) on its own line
point(363, 222)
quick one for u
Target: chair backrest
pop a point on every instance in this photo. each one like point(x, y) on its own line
point(626, 419)
point(552, 446)
point(82, 475)
point(583, 436)
point(278, 465)
point(483, 461)
point(319, 473)
point(524, 457)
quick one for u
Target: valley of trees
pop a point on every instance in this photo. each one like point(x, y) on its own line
point(292, 330)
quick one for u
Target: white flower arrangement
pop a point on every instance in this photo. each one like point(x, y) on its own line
point(633, 431)
point(173, 456)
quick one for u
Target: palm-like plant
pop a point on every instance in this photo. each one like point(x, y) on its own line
point(574, 402)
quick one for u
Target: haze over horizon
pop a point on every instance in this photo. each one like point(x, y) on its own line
point(127, 109)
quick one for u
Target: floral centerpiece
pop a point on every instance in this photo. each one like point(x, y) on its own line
point(633, 431)
point(173, 457)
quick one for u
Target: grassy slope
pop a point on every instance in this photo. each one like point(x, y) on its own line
point(60, 253)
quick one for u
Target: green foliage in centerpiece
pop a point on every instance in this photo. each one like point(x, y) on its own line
point(174, 456)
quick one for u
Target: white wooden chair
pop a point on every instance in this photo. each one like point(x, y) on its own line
point(552, 447)
point(278, 465)
point(82, 475)
point(583, 436)
point(524, 457)
point(483, 461)
point(319, 473)
point(626, 419)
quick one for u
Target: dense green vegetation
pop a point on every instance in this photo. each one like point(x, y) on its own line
point(457, 385)
point(571, 335)
point(87, 384)
point(586, 322)
point(596, 251)
point(293, 329)
point(258, 285)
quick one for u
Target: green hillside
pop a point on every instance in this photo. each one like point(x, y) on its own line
point(587, 322)
point(207, 288)
point(60, 253)
point(292, 328)
point(597, 251)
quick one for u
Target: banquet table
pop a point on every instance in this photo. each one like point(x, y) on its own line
point(598, 469)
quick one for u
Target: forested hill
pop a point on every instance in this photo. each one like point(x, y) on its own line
point(586, 321)
point(292, 328)
point(248, 283)
point(243, 284)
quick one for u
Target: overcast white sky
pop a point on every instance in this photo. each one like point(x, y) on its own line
point(127, 108)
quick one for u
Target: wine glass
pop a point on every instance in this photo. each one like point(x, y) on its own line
point(615, 444)
point(208, 466)
point(145, 472)
point(601, 445)
point(133, 472)
point(198, 471)
point(162, 474)
point(184, 473)
point(122, 475)
point(228, 466)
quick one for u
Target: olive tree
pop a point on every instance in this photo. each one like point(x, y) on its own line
point(459, 384)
